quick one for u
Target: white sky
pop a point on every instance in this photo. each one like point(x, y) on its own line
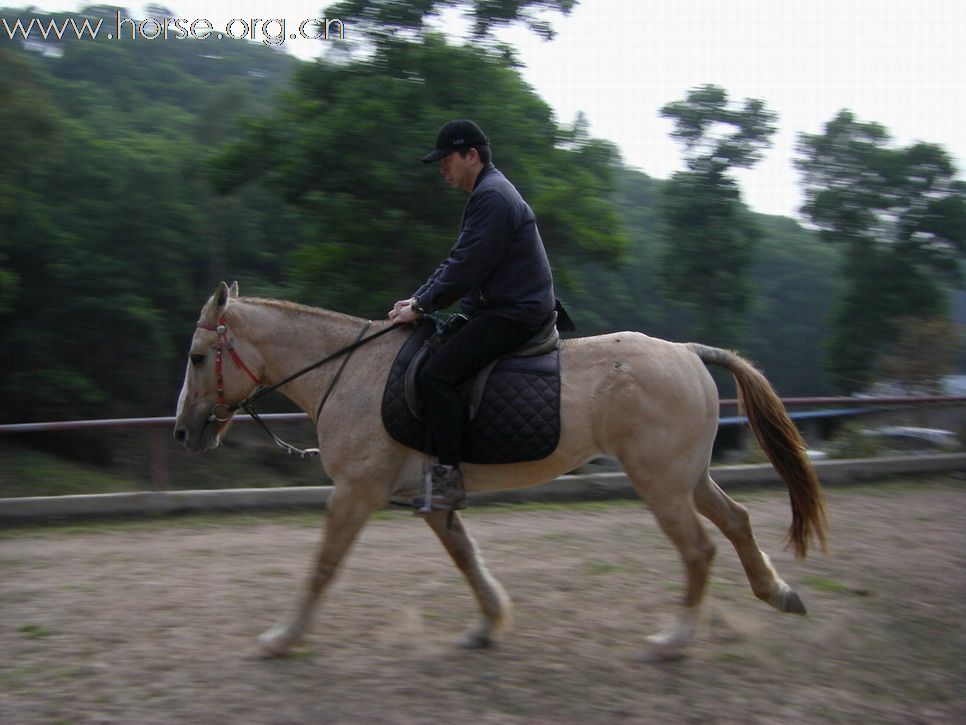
point(897, 62)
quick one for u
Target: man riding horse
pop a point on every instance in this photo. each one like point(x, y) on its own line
point(649, 403)
point(498, 270)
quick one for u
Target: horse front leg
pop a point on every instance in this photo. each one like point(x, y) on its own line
point(492, 598)
point(347, 512)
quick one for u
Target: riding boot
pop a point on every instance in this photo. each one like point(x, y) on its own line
point(447, 494)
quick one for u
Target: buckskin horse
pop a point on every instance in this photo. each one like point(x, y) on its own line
point(649, 403)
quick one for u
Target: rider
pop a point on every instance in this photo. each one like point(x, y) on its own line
point(498, 270)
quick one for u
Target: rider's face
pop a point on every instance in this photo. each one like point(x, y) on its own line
point(458, 170)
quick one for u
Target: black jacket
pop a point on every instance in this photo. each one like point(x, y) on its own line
point(498, 264)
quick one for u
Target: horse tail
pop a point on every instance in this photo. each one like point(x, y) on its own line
point(781, 442)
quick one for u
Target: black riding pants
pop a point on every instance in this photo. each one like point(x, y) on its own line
point(471, 348)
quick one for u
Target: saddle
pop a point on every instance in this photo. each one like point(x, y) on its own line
point(512, 406)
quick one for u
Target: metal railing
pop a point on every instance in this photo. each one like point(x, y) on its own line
point(160, 442)
point(168, 421)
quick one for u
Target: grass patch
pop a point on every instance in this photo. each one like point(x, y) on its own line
point(27, 472)
point(597, 568)
point(24, 677)
point(247, 460)
point(35, 631)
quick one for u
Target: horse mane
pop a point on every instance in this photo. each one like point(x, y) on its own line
point(297, 308)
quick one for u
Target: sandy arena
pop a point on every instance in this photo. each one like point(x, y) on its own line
point(155, 622)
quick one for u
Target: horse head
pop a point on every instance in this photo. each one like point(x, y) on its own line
point(217, 377)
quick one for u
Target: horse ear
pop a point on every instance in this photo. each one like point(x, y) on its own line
point(220, 297)
point(233, 290)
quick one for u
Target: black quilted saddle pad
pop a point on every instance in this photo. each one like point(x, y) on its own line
point(517, 419)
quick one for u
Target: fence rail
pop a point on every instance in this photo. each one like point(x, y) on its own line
point(821, 411)
point(583, 487)
point(168, 421)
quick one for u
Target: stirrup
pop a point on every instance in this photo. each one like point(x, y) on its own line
point(443, 491)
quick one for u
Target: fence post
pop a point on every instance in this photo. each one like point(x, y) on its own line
point(158, 458)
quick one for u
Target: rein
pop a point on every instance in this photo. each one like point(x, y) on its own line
point(224, 342)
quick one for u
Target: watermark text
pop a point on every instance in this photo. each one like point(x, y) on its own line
point(270, 31)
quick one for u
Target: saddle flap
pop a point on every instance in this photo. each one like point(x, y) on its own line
point(546, 339)
point(515, 419)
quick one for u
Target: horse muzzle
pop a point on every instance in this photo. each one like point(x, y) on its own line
point(203, 432)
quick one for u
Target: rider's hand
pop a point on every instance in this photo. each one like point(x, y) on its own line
point(403, 312)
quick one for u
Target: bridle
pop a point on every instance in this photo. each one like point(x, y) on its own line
point(222, 411)
point(224, 342)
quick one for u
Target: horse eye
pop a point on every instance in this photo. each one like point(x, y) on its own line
point(197, 359)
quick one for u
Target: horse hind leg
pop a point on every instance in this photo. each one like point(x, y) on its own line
point(733, 521)
point(675, 513)
point(493, 600)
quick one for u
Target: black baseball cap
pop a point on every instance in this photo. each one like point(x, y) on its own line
point(456, 135)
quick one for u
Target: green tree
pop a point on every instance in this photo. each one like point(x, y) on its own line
point(794, 278)
point(347, 141)
point(32, 130)
point(110, 233)
point(709, 234)
point(624, 296)
point(921, 356)
point(900, 216)
point(390, 18)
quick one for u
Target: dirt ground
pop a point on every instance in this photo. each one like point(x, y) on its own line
point(155, 622)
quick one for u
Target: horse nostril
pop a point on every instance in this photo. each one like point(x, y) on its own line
point(180, 435)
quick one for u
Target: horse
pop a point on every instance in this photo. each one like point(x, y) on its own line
point(649, 403)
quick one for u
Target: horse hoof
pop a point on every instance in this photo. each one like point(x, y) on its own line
point(662, 648)
point(793, 603)
point(476, 640)
point(274, 643)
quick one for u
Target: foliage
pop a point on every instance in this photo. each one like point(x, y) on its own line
point(391, 18)
point(109, 228)
point(921, 355)
point(31, 130)
point(900, 216)
point(717, 136)
point(711, 237)
point(135, 175)
point(608, 296)
point(854, 441)
point(348, 138)
point(792, 282)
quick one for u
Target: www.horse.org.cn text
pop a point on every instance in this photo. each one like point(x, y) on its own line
point(271, 31)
